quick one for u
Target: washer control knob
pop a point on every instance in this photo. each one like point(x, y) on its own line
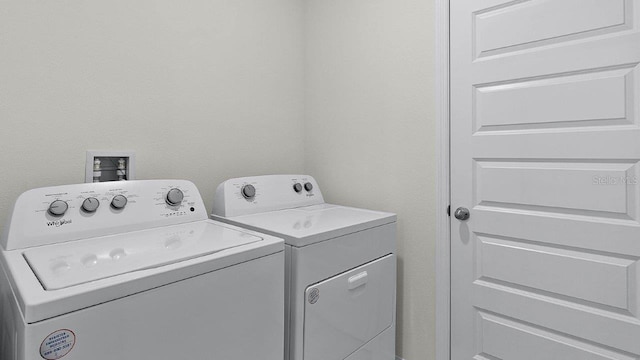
point(308, 186)
point(297, 187)
point(119, 202)
point(90, 204)
point(58, 208)
point(248, 191)
point(174, 197)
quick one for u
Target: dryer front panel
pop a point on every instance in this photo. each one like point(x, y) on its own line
point(346, 311)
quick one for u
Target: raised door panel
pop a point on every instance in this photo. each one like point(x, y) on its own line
point(524, 24)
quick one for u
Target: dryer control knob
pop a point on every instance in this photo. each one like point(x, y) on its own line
point(174, 197)
point(58, 208)
point(119, 202)
point(308, 186)
point(297, 187)
point(248, 191)
point(90, 204)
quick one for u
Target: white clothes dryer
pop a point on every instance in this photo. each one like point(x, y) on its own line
point(135, 270)
point(340, 278)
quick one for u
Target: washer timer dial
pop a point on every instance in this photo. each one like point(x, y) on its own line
point(174, 197)
point(58, 208)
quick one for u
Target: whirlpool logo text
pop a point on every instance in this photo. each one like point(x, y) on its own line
point(58, 223)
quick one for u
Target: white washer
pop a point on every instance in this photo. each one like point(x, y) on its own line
point(340, 277)
point(136, 270)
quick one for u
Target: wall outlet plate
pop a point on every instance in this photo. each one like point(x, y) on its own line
point(109, 165)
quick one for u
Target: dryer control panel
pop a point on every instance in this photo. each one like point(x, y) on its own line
point(256, 194)
point(71, 212)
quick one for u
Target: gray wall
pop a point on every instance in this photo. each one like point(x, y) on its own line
point(200, 89)
point(207, 90)
point(370, 133)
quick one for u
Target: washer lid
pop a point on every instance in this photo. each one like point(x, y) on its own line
point(68, 264)
point(309, 224)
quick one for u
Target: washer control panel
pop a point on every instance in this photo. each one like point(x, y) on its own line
point(64, 213)
point(250, 195)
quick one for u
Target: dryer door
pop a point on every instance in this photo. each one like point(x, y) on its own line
point(346, 311)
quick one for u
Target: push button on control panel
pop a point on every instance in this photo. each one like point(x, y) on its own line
point(58, 208)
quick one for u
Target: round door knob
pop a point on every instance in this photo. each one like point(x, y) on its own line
point(308, 186)
point(461, 213)
point(174, 197)
point(119, 202)
point(58, 208)
point(297, 187)
point(248, 191)
point(90, 204)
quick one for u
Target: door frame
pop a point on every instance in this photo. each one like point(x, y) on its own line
point(443, 191)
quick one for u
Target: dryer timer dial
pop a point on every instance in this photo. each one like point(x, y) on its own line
point(248, 191)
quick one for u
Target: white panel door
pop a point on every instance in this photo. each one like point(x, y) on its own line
point(545, 152)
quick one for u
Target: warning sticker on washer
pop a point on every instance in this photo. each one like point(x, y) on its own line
point(58, 344)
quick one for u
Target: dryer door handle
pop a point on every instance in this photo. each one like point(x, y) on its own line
point(358, 280)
